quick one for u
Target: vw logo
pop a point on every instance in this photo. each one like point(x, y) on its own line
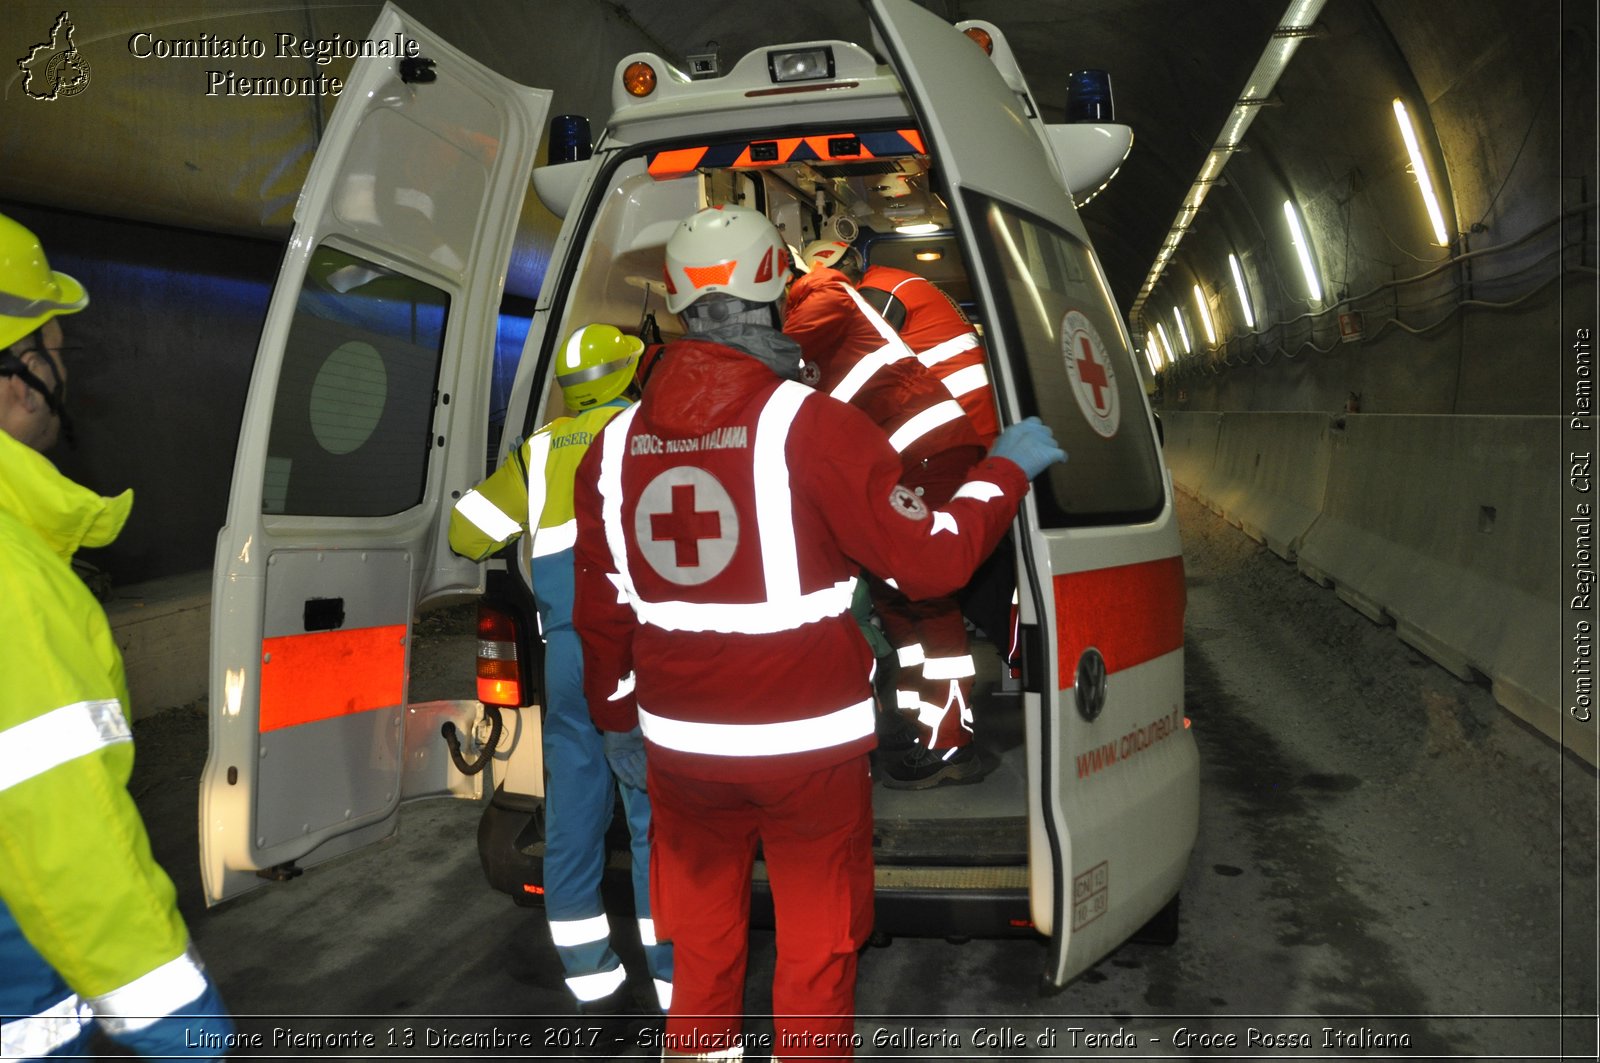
point(1090, 686)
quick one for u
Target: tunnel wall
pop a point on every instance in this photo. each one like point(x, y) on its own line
point(1438, 525)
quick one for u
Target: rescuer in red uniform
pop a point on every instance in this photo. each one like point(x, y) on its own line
point(721, 523)
point(852, 353)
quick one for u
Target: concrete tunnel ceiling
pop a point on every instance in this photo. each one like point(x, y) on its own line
point(1177, 68)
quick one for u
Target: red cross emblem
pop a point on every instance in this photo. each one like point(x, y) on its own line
point(1091, 372)
point(1094, 380)
point(685, 525)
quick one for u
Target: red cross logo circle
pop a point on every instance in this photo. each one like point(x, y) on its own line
point(686, 526)
point(1094, 381)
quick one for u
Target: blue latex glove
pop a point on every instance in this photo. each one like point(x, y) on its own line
point(625, 754)
point(1030, 444)
point(198, 1030)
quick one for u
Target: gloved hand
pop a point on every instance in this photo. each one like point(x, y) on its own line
point(1030, 444)
point(625, 754)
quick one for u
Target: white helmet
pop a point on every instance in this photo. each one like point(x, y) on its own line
point(727, 249)
point(823, 253)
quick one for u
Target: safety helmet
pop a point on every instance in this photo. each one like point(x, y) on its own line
point(596, 364)
point(823, 253)
point(31, 293)
point(727, 249)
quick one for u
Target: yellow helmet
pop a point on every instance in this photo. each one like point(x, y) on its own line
point(31, 293)
point(596, 364)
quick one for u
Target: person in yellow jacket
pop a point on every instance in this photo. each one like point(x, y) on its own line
point(89, 925)
point(530, 496)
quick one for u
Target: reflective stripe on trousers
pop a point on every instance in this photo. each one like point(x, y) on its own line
point(39, 1035)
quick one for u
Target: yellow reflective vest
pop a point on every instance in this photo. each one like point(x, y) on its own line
point(76, 871)
point(536, 479)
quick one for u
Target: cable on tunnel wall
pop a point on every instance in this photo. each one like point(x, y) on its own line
point(1238, 352)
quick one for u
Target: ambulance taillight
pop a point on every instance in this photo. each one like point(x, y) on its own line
point(499, 677)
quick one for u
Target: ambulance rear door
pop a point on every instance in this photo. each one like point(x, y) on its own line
point(366, 417)
point(1112, 768)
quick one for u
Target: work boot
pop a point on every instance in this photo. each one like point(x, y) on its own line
point(924, 768)
point(896, 734)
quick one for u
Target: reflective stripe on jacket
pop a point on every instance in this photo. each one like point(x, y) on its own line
point(722, 522)
point(853, 354)
point(943, 339)
point(76, 873)
point(536, 477)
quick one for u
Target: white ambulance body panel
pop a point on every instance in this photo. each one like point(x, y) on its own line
point(1107, 784)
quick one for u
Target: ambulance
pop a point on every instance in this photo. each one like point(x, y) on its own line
point(368, 416)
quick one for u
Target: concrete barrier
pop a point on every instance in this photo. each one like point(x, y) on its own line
point(1271, 471)
point(163, 629)
point(1448, 527)
point(1190, 448)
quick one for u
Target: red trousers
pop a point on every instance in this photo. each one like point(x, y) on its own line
point(815, 833)
point(936, 674)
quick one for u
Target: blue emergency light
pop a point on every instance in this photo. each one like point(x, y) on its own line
point(1089, 96)
point(569, 138)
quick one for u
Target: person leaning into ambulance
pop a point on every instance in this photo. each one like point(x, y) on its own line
point(853, 354)
point(89, 925)
point(531, 493)
point(721, 522)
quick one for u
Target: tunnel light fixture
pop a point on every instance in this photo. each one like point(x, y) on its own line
point(1166, 344)
point(1302, 247)
point(1244, 293)
point(1152, 353)
point(1205, 316)
point(1419, 168)
point(1183, 333)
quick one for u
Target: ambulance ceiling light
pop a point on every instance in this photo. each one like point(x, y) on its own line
point(801, 64)
point(1419, 168)
point(1302, 248)
point(639, 79)
point(921, 228)
point(569, 138)
point(929, 254)
point(1205, 316)
point(981, 38)
point(1089, 96)
point(1244, 293)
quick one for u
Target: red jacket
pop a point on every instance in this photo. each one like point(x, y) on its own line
point(853, 354)
point(721, 524)
point(943, 339)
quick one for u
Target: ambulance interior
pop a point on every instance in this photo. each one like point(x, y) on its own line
point(618, 280)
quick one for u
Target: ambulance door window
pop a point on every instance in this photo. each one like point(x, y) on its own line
point(352, 419)
point(1062, 333)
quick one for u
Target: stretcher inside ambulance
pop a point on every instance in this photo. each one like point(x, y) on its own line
point(925, 151)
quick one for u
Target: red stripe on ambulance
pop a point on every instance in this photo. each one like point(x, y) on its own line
point(317, 676)
point(1130, 613)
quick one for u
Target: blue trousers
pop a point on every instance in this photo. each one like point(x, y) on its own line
point(580, 792)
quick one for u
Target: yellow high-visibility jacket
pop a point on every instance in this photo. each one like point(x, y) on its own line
point(532, 491)
point(76, 873)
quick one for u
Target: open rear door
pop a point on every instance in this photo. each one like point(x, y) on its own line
point(1113, 772)
point(366, 416)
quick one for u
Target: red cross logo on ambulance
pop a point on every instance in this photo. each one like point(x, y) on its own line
point(1094, 382)
point(686, 526)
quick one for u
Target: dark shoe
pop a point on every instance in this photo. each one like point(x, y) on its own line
point(923, 768)
point(896, 734)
